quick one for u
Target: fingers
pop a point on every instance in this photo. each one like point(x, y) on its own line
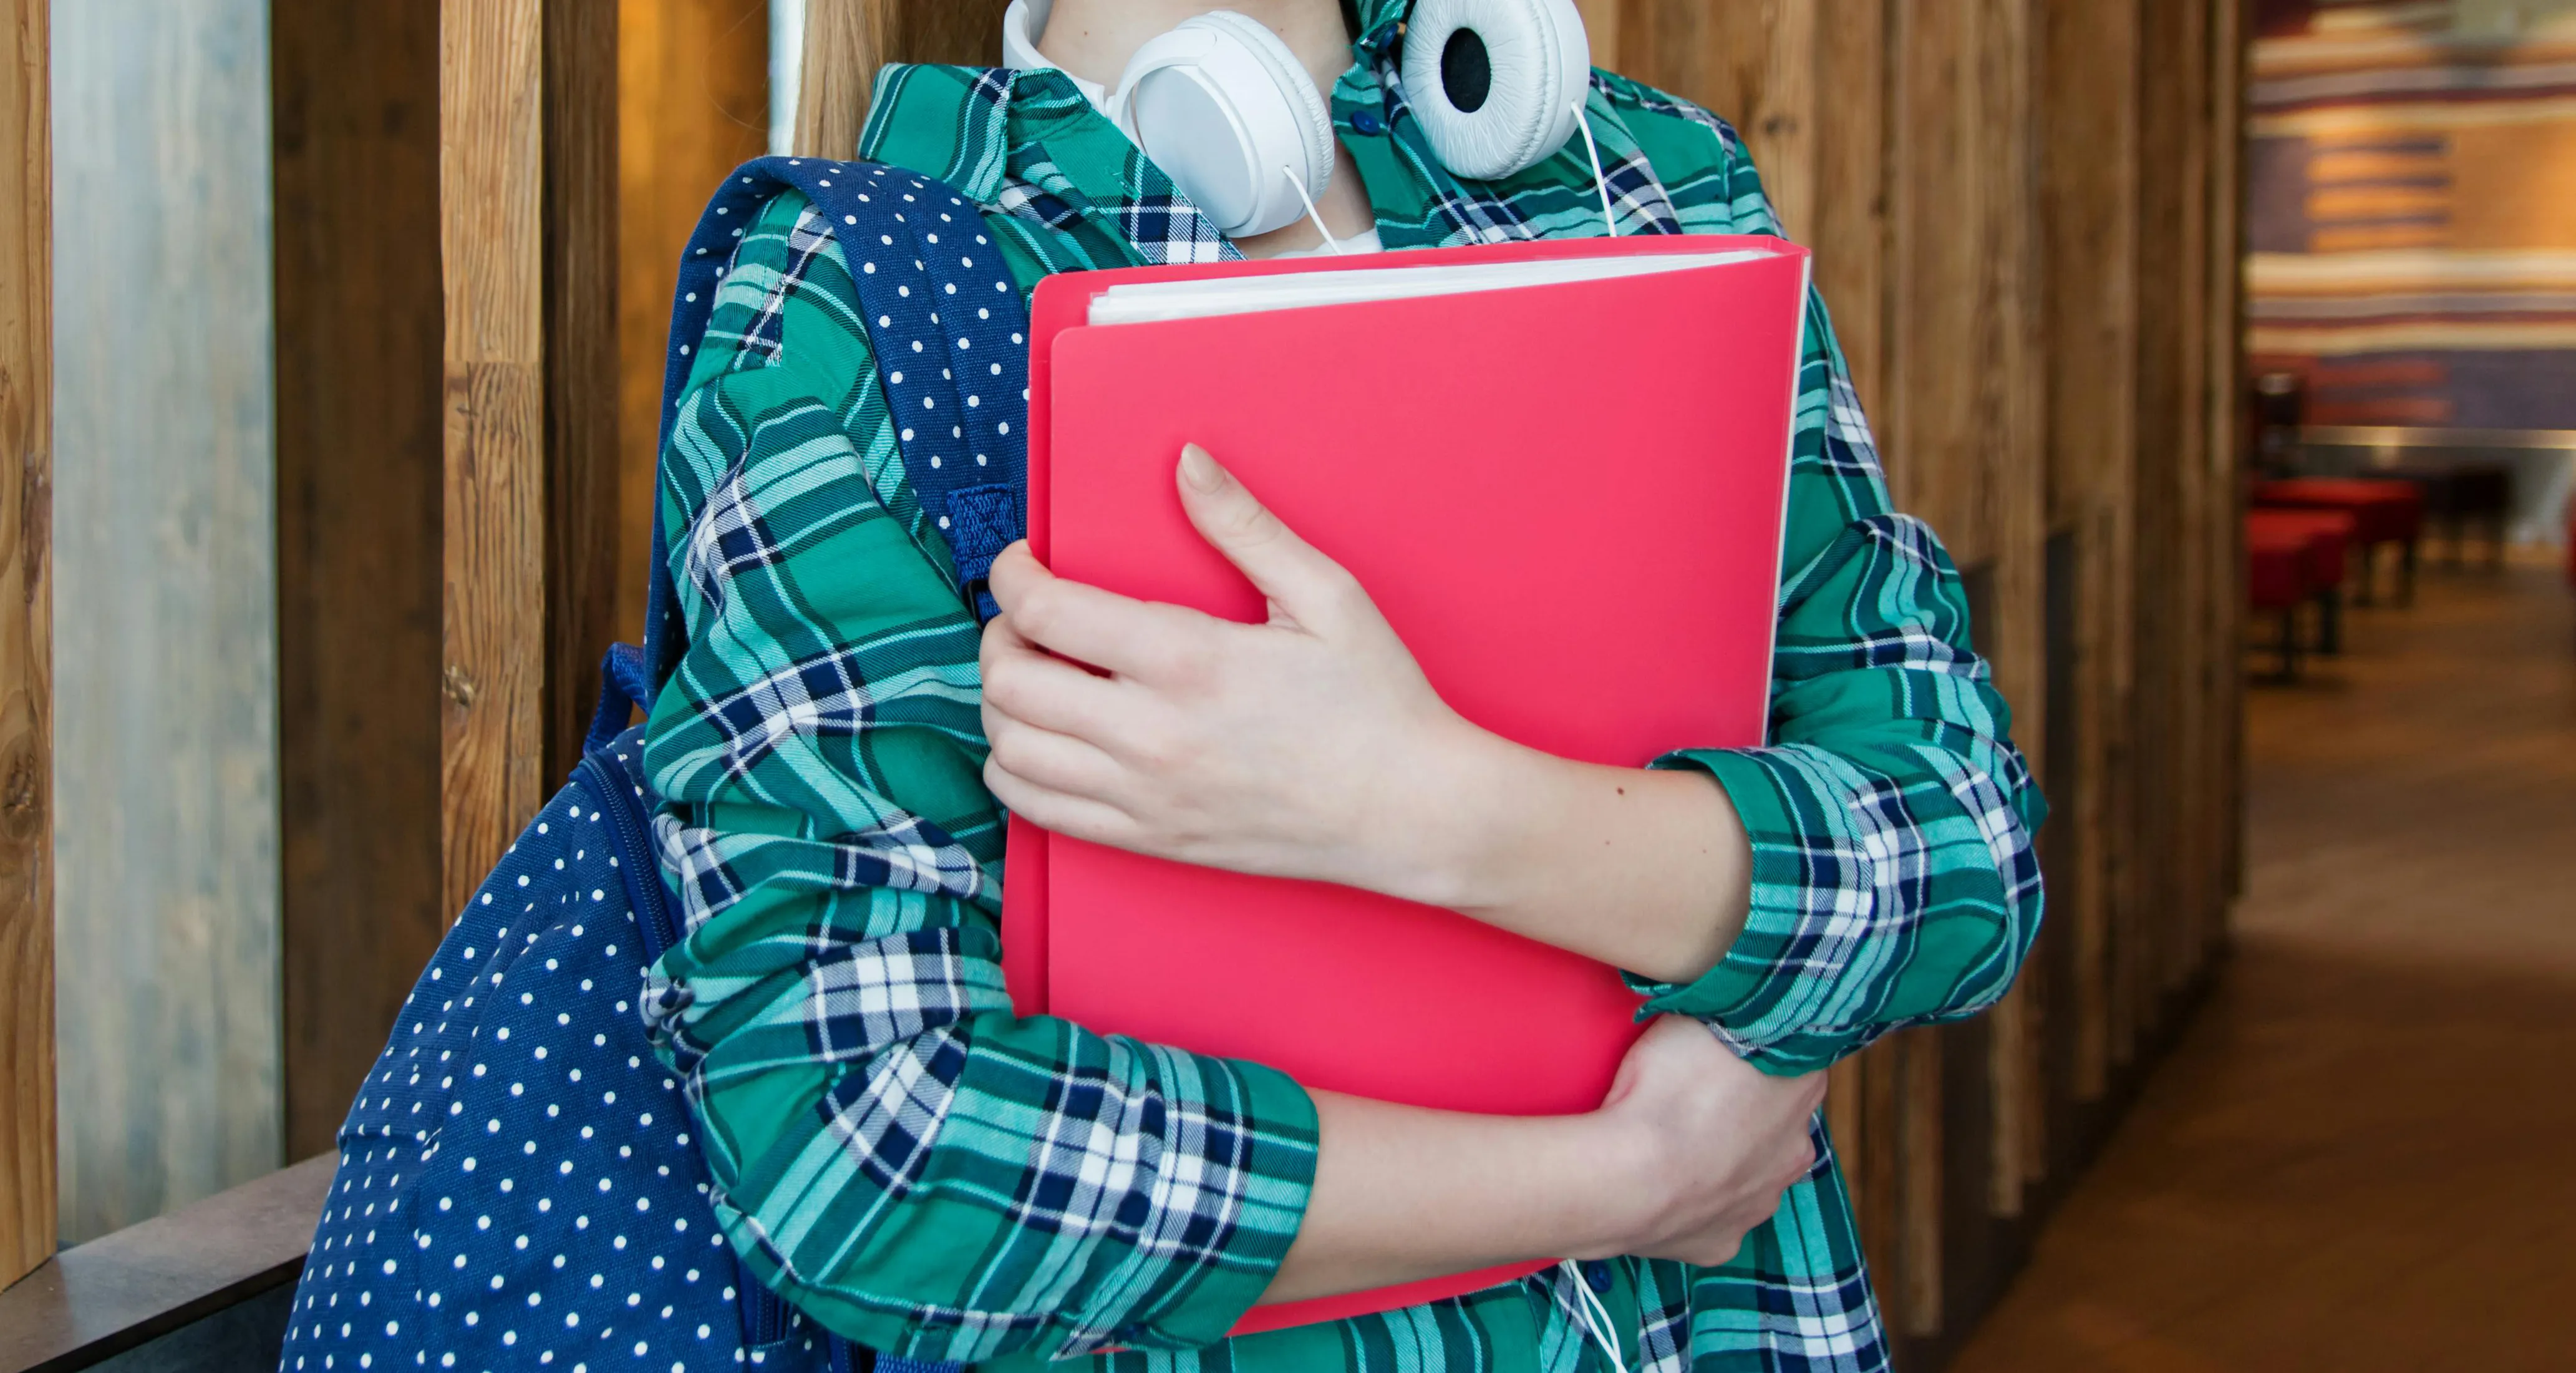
point(1075, 817)
point(1026, 683)
point(1281, 566)
point(1058, 762)
point(1111, 632)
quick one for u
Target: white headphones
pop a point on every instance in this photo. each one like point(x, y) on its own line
point(1222, 105)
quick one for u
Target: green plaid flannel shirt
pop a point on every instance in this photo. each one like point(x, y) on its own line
point(914, 1167)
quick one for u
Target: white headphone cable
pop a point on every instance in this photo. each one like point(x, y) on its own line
point(1311, 212)
point(1584, 122)
point(1596, 1314)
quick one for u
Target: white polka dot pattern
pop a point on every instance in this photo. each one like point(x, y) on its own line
point(517, 1185)
point(963, 462)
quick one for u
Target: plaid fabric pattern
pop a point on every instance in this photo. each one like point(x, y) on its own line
point(918, 1170)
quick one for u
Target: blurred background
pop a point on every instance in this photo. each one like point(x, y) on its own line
point(2231, 345)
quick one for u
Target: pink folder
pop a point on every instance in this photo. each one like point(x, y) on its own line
point(1567, 499)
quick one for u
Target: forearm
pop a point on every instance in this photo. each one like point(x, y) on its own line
point(1403, 1194)
point(1691, 1149)
point(1647, 871)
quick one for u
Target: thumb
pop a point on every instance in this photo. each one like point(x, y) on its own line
point(1283, 567)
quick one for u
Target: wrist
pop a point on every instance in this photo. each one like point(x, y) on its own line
point(1450, 833)
point(1619, 1213)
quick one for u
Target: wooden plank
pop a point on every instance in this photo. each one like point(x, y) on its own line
point(2089, 190)
point(121, 1291)
point(27, 1196)
point(692, 104)
point(2195, 509)
point(527, 157)
point(2230, 35)
point(165, 833)
point(583, 572)
point(492, 629)
point(355, 96)
point(2171, 266)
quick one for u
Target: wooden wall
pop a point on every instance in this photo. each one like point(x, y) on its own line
point(2025, 215)
point(166, 841)
point(27, 1205)
point(360, 460)
point(2025, 212)
point(355, 96)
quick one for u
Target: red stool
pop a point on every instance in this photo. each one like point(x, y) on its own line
point(2277, 567)
point(2384, 512)
point(2330, 535)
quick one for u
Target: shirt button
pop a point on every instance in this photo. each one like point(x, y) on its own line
point(1597, 1275)
point(1369, 123)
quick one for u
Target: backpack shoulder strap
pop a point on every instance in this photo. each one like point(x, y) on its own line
point(950, 334)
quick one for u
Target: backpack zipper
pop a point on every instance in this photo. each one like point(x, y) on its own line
point(764, 1313)
point(637, 862)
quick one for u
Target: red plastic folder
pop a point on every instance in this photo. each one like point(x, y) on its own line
point(1568, 500)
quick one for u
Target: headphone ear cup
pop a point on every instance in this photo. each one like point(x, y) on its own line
point(1296, 89)
point(1221, 104)
point(1496, 83)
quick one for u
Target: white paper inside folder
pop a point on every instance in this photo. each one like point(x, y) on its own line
point(1155, 302)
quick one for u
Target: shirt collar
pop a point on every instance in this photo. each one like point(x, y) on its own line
point(984, 129)
point(996, 134)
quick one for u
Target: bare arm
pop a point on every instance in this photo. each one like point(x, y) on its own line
point(1691, 1151)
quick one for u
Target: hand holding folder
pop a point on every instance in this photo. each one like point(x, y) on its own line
point(1559, 470)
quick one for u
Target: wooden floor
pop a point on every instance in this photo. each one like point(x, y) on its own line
point(2362, 1155)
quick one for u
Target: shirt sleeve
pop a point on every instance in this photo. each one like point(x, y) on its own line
point(890, 1148)
point(1891, 817)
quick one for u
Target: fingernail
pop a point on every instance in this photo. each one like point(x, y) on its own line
point(1200, 470)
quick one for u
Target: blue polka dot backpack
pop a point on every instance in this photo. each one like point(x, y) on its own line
point(518, 1187)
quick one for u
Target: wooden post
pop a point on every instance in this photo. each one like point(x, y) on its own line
point(355, 101)
point(526, 175)
point(2089, 177)
point(2175, 509)
point(27, 1192)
